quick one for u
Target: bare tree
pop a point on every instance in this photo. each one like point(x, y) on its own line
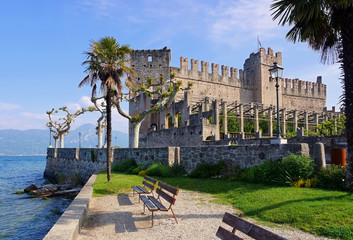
point(102, 120)
point(163, 97)
point(63, 124)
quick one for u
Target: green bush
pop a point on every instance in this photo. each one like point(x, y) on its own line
point(208, 170)
point(332, 177)
point(178, 170)
point(285, 171)
point(266, 173)
point(159, 170)
point(137, 169)
point(146, 164)
point(125, 166)
point(297, 167)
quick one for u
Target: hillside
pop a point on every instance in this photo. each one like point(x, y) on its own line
point(35, 142)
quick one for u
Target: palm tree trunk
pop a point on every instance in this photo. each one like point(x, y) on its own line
point(347, 64)
point(109, 133)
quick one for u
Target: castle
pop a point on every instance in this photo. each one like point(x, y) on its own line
point(249, 92)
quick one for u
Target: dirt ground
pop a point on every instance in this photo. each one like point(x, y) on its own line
point(122, 217)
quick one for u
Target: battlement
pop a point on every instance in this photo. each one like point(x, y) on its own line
point(201, 72)
point(151, 58)
point(296, 87)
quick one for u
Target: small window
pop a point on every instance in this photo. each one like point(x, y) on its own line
point(150, 58)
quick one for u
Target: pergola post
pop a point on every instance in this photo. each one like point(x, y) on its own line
point(270, 121)
point(241, 118)
point(256, 115)
point(306, 121)
point(225, 117)
point(295, 119)
point(283, 121)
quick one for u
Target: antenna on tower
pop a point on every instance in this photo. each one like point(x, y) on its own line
point(258, 43)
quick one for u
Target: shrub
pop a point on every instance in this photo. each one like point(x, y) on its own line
point(332, 177)
point(142, 173)
point(266, 173)
point(137, 169)
point(146, 164)
point(178, 170)
point(297, 167)
point(286, 171)
point(125, 166)
point(159, 170)
point(207, 170)
point(299, 183)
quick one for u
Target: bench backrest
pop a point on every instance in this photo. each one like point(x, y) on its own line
point(169, 193)
point(246, 227)
point(149, 182)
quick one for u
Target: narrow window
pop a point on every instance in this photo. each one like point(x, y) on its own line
point(150, 58)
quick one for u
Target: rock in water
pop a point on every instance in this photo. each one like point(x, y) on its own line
point(30, 188)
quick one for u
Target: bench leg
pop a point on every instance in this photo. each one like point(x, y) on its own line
point(174, 215)
point(152, 218)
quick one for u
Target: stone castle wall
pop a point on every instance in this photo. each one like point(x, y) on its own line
point(85, 162)
point(250, 85)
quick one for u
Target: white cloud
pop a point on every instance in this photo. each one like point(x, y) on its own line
point(101, 9)
point(8, 106)
point(237, 23)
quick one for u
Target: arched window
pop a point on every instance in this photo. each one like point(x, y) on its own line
point(168, 121)
point(177, 119)
point(149, 58)
point(153, 127)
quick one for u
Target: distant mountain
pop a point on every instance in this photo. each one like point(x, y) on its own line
point(35, 142)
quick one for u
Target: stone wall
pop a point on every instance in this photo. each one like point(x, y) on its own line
point(84, 162)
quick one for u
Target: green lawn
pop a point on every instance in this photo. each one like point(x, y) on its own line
point(323, 212)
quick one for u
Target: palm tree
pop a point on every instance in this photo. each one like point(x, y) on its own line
point(327, 26)
point(106, 63)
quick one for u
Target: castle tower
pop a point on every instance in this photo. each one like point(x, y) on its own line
point(256, 72)
point(151, 63)
point(148, 63)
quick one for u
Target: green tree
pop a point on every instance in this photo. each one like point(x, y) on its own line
point(327, 27)
point(107, 64)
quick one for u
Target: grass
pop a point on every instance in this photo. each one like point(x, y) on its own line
point(321, 212)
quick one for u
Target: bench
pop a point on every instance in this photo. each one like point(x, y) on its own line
point(148, 183)
point(250, 229)
point(165, 192)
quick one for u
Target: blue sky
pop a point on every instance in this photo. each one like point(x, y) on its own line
point(42, 45)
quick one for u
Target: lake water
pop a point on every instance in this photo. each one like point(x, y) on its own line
point(21, 217)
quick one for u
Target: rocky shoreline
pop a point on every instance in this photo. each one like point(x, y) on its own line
point(50, 190)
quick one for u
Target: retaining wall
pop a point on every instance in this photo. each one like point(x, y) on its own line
point(86, 161)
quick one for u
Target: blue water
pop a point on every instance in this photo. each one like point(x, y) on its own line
point(21, 217)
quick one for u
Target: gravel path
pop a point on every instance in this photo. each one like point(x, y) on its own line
point(122, 217)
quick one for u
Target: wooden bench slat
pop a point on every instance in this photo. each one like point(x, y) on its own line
point(166, 196)
point(148, 203)
point(157, 203)
point(147, 184)
point(172, 190)
point(226, 235)
point(250, 229)
point(136, 188)
point(152, 180)
point(142, 189)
